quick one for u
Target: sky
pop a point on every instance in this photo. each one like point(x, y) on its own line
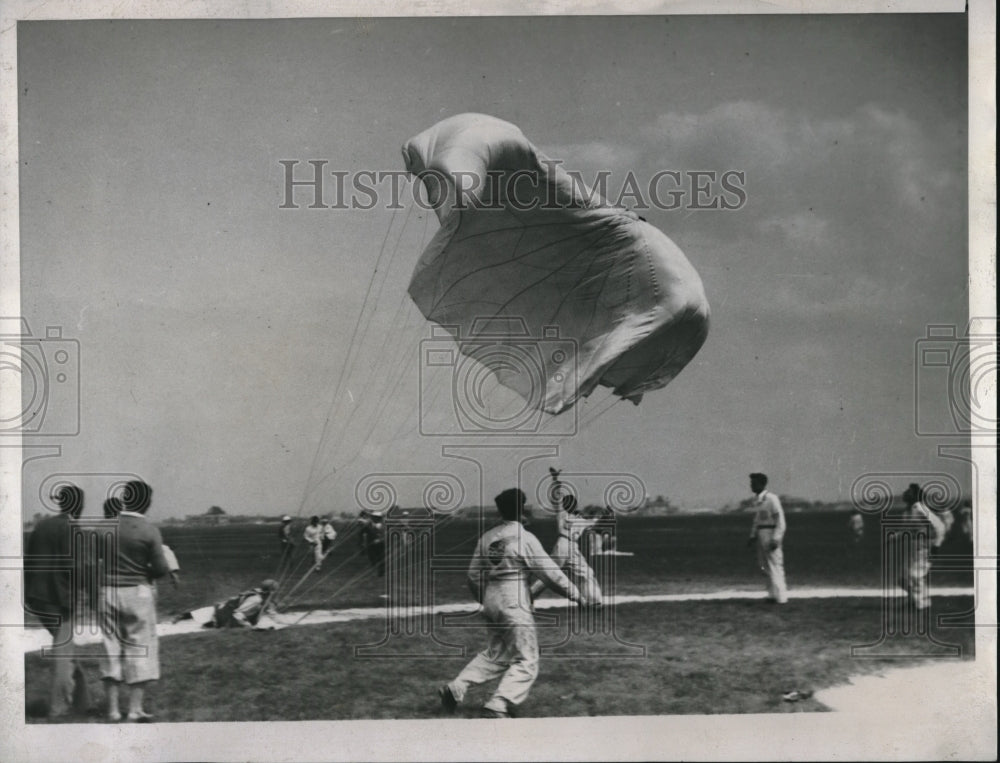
point(268, 360)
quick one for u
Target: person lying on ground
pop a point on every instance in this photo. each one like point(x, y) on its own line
point(244, 610)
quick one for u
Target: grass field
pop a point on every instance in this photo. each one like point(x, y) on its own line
point(673, 554)
point(700, 657)
point(730, 656)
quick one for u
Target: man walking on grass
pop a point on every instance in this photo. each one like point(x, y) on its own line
point(767, 533)
point(505, 560)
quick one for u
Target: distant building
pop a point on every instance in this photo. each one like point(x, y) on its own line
point(214, 516)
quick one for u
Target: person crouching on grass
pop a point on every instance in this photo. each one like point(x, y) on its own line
point(131, 647)
point(506, 557)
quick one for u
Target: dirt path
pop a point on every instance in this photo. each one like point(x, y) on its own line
point(33, 639)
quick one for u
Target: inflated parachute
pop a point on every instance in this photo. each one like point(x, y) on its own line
point(531, 264)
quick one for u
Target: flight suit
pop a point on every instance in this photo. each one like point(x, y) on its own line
point(566, 553)
point(505, 560)
point(917, 578)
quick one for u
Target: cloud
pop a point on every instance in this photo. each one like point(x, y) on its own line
point(594, 156)
point(872, 153)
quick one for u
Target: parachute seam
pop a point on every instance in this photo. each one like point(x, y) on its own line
point(437, 304)
point(555, 271)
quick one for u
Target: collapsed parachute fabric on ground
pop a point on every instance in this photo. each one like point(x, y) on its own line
point(548, 285)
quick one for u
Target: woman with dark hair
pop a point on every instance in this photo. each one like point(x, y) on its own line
point(131, 646)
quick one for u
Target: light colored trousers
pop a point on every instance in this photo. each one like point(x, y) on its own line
point(916, 583)
point(131, 648)
point(512, 651)
point(772, 564)
point(567, 555)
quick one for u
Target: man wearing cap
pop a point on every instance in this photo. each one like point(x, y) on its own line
point(49, 594)
point(767, 533)
point(505, 560)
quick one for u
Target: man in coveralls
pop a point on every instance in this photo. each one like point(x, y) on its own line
point(916, 581)
point(505, 560)
point(767, 532)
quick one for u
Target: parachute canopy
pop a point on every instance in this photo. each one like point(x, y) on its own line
point(543, 282)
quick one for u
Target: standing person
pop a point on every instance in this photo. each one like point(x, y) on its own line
point(327, 536)
point(931, 533)
point(965, 519)
point(373, 540)
point(856, 526)
point(947, 518)
point(49, 594)
point(768, 533)
point(566, 551)
point(286, 540)
point(313, 537)
point(131, 646)
point(506, 558)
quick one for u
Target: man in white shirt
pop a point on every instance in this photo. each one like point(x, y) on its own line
point(768, 533)
point(313, 535)
point(916, 582)
point(329, 535)
point(505, 560)
point(571, 525)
